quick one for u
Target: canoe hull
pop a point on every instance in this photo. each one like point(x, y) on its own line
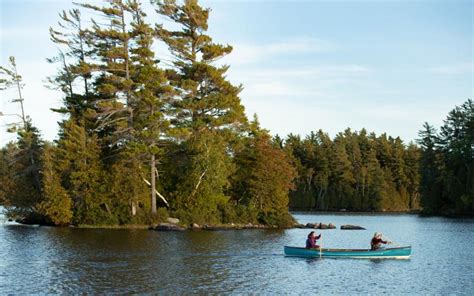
point(388, 253)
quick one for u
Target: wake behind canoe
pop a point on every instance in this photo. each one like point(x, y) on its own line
point(387, 253)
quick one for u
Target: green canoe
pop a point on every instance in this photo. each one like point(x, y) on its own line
point(383, 253)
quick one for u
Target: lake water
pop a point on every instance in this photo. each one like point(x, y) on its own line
point(65, 260)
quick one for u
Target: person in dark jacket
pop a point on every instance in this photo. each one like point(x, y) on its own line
point(376, 242)
point(311, 241)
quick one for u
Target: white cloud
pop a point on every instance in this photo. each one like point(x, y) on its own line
point(253, 53)
point(308, 83)
point(454, 69)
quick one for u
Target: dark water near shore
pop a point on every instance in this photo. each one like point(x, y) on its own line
point(65, 260)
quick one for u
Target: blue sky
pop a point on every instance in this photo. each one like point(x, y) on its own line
point(387, 66)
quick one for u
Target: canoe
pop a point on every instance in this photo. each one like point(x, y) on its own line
point(385, 253)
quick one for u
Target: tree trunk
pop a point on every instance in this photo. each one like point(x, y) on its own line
point(153, 185)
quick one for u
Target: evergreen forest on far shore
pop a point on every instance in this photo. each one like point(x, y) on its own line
point(144, 139)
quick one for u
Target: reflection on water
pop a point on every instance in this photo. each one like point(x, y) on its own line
point(67, 260)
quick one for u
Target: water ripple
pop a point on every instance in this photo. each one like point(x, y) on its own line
point(45, 260)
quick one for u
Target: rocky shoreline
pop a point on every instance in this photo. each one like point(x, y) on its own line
point(173, 224)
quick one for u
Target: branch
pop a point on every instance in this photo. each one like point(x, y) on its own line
point(156, 191)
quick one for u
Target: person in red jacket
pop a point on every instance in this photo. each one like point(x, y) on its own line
point(376, 242)
point(311, 241)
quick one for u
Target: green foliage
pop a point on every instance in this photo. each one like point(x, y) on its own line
point(207, 100)
point(7, 173)
point(25, 165)
point(447, 163)
point(202, 178)
point(355, 171)
point(82, 174)
point(128, 193)
point(264, 178)
point(56, 204)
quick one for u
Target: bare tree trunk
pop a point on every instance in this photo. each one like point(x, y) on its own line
point(153, 185)
point(20, 97)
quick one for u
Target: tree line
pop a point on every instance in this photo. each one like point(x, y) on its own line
point(358, 171)
point(143, 138)
point(355, 171)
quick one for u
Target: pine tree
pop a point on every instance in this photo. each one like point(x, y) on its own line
point(152, 94)
point(56, 204)
point(72, 42)
point(412, 170)
point(376, 182)
point(342, 178)
point(270, 174)
point(456, 141)
point(26, 166)
point(82, 175)
point(207, 110)
point(7, 173)
point(202, 185)
point(431, 182)
point(26, 190)
point(111, 64)
point(207, 99)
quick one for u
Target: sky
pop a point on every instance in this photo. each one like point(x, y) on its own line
point(386, 66)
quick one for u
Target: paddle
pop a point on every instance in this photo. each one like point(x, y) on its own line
point(320, 246)
point(390, 241)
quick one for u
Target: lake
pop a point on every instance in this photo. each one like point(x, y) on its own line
point(67, 260)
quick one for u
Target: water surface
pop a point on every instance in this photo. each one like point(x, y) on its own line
point(67, 260)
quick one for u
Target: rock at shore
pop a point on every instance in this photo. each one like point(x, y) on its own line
point(195, 226)
point(320, 226)
point(167, 227)
point(172, 220)
point(351, 227)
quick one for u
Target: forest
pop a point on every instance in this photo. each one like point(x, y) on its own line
point(143, 139)
point(358, 171)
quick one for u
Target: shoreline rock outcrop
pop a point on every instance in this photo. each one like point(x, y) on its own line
point(167, 227)
point(352, 227)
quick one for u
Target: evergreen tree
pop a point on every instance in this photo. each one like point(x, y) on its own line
point(26, 189)
point(82, 175)
point(341, 178)
point(111, 64)
point(152, 94)
point(26, 167)
point(431, 182)
point(376, 182)
point(207, 110)
point(56, 204)
point(7, 173)
point(207, 99)
point(270, 177)
point(201, 188)
point(457, 138)
point(412, 170)
point(72, 41)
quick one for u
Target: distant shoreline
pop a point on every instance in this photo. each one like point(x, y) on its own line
point(411, 212)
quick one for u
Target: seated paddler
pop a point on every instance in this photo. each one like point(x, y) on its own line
point(377, 241)
point(311, 241)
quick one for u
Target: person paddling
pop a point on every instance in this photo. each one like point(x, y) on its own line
point(376, 242)
point(311, 241)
